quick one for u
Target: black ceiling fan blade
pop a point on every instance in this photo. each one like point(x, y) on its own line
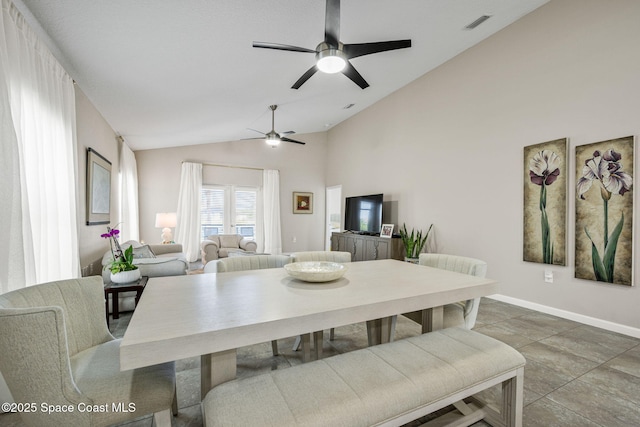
point(361, 49)
point(355, 76)
point(310, 72)
point(332, 23)
point(293, 140)
point(289, 132)
point(279, 46)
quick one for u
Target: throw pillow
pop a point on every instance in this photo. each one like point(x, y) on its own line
point(143, 252)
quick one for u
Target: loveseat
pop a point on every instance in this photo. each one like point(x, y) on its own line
point(221, 245)
point(153, 261)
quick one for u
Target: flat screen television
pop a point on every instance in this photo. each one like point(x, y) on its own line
point(363, 214)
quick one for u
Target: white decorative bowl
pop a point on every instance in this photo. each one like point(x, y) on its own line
point(126, 276)
point(316, 271)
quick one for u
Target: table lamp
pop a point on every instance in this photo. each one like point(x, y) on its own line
point(166, 220)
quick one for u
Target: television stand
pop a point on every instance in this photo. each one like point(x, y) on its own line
point(367, 247)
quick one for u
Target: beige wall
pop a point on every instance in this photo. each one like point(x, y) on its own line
point(93, 131)
point(449, 146)
point(301, 169)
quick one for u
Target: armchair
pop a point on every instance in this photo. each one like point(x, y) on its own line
point(220, 245)
point(55, 349)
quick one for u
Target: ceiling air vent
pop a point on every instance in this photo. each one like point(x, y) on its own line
point(477, 22)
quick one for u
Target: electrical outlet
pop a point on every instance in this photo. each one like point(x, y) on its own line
point(548, 276)
point(294, 239)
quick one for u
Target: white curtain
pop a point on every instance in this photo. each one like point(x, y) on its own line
point(188, 228)
point(129, 223)
point(271, 195)
point(41, 99)
point(12, 256)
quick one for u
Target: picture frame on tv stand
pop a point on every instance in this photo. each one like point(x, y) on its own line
point(386, 231)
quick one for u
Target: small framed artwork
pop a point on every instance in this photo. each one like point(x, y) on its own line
point(302, 203)
point(98, 188)
point(386, 230)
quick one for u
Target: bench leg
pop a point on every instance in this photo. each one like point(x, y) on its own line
point(162, 418)
point(510, 414)
point(513, 400)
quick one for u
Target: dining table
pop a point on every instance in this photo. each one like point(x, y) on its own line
point(212, 315)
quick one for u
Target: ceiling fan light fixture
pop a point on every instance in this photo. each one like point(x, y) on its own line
point(273, 139)
point(330, 60)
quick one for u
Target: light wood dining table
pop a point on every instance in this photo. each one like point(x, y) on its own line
point(211, 315)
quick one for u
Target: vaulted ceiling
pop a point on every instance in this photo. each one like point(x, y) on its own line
point(182, 72)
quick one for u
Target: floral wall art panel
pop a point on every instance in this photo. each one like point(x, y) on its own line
point(604, 211)
point(545, 202)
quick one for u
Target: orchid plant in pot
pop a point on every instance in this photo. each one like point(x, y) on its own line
point(413, 243)
point(122, 268)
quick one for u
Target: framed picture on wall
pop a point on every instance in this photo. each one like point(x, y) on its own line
point(302, 203)
point(545, 176)
point(98, 188)
point(604, 211)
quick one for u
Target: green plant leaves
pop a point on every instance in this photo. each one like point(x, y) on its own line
point(603, 268)
point(414, 242)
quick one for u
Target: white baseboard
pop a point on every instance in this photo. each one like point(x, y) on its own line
point(587, 320)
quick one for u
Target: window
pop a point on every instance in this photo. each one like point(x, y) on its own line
point(228, 210)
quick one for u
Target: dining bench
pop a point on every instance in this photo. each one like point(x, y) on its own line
point(384, 385)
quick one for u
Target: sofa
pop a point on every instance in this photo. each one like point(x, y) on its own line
point(221, 245)
point(153, 261)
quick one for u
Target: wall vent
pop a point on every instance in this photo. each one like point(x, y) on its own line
point(477, 22)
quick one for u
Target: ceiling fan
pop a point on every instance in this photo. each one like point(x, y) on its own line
point(332, 55)
point(272, 137)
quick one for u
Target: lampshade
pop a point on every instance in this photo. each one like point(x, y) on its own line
point(166, 220)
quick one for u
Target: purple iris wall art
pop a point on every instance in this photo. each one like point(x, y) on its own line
point(604, 211)
point(545, 202)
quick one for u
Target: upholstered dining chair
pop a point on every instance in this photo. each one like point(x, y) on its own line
point(328, 256)
point(252, 262)
point(463, 313)
point(55, 349)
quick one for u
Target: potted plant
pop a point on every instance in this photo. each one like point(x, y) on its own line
point(413, 243)
point(122, 268)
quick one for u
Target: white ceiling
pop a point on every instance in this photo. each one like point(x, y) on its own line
point(168, 73)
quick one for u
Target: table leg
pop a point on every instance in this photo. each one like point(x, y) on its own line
point(432, 319)
point(306, 348)
point(106, 306)
point(216, 368)
point(115, 310)
point(379, 331)
point(317, 338)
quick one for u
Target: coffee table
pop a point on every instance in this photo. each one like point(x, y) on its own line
point(115, 288)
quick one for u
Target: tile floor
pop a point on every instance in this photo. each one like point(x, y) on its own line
point(576, 375)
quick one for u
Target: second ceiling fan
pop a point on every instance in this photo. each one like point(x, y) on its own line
point(332, 55)
point(272, 137)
